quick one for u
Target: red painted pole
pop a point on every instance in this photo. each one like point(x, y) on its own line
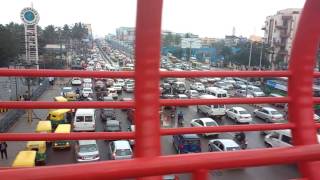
point(147, 77)
point(302, 63)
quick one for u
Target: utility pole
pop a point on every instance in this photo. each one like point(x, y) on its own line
point(260, 60)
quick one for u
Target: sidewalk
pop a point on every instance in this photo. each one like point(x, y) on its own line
point(22, 126)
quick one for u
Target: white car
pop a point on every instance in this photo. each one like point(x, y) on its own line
point(76, 81)
point(86, 92)
point(113, 93)
point(220, 145)
point(87, 85)
point(192, 94)
point(87, 80)
point(239, 114)
point(117, 87)
point(212, 80)
point(204, 122)
point(197, 86)
point(87, 150)
point(223, 85)
point(204, 80)
point(255, 91)
point(268, 114)
point(120, 81)
point(128, 88)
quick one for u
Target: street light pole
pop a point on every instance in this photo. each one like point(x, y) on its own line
point(250, 55)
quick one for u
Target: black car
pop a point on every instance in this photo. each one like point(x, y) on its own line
point(166, 88)
point(112, 126)
point(107, 114)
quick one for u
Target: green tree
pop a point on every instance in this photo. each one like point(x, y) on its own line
point(50, 35)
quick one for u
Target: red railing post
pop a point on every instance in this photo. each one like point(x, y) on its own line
point(147, 77)
point(301, 83)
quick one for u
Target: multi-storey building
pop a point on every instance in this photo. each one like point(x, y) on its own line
point(279, 33)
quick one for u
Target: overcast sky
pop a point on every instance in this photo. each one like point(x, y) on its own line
point(211, 18)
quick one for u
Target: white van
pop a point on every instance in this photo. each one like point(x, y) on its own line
point(279, 138)
point(217, 92)
point(216, 110)
point(84, 120)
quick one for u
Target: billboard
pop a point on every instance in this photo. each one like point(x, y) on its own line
point(194, 43)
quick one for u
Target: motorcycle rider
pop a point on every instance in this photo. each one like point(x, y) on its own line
point(241, 139)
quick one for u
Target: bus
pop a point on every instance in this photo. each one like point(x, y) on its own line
point(279, 85)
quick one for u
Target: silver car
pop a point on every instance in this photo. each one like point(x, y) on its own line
point(120, 150)
point(268, 114)
point(87, 150)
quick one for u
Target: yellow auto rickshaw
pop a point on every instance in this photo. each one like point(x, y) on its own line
point(25, 159)
point(40, 148)
point(60, 99)
point(62, 144)
point(44, 127)
point(59, 116)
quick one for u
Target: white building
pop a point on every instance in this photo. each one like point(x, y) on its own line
point(280, 30)
point(126, 34)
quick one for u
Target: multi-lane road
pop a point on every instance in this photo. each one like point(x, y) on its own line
point(255, 140)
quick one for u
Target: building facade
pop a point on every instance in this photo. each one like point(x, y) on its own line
point(126, 34)
point(279, 33)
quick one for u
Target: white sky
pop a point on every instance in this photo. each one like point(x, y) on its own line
point(211, 18)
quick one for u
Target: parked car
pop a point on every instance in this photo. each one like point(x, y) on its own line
point(120, 82)
point(203, 80)
point(192, 94)
point(239, 115)
point(99, 85)
point(113, 93)
point(240, 85)
point(87, 150)
point(255, 91)
point(205, 122)
point(213, 80)
point(197, 86)
point(221, 145)
point(106, 114)
point(268, 114)
point(223, 85)
point(120, 149)
point(113, 126)
point(186, 143)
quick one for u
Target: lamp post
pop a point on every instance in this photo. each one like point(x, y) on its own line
point(260, 60)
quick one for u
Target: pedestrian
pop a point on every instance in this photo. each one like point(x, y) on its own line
point(3, 149)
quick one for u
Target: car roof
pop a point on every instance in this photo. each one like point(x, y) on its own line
point(84, 111)
point(226, 142)
point(207, 119)
point(122, 144)
point(190, 136)
point(182, 95)
point(269, 109)
point(109, 122)
point(86, 142)
point(239, 108)
point(207, 96)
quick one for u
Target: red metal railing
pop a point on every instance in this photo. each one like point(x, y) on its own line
point(147, 161)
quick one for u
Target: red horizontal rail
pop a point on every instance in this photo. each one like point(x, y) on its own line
point(128, 104)
point(65, 136)
point(130, 135)
point(162, 165)
point(316, 100)
point(225, 128)
point(130, 74)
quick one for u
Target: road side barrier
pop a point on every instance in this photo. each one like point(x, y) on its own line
point(13, 115)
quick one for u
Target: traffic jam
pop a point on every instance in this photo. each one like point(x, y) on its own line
point(117, 120)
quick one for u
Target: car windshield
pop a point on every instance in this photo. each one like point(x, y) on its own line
point(243, 112)
point(240, 83)
point(88, 148)
point(232, 148)
point(256, 90)
point(211, 123)
point(181, 85)
point(67, 90)
point(192, 141)
point(123, 152)
point(87, 90)
point(275, 112)
point(222, 95)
